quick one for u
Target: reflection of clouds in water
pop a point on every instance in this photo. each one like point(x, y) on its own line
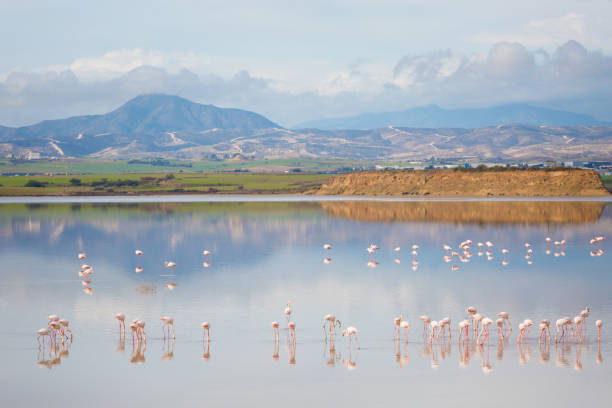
point(176, 238)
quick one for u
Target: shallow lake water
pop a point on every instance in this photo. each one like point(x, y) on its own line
point(266, 253)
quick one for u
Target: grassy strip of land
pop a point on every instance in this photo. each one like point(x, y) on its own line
point(101, 166)
point(161, 183)
point(607, 180)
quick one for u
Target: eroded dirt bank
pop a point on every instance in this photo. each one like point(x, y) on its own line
point(494, 183)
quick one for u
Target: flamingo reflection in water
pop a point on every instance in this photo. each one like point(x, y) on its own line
point(351, 362)
point(168, 350)
point(206, 344)
point(331, 320)
point(401, 358)
point(290, 344)
point(330, 356)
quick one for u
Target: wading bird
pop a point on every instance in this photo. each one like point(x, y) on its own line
point(350, 332)
point(206, 330)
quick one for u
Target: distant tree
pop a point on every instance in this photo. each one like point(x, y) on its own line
point(35, 183)
point(75, 181)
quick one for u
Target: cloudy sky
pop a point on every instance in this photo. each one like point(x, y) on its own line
point(295, 61)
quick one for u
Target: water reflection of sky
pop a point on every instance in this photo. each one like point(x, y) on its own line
point(267, 253)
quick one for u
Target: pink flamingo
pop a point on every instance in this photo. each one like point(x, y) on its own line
point(506, 317)
point(463, 330)
point(288, 311)
point(121, 318)
point(426, 320)
point(350, 332)
point(138, 253)
point(275, 327)
point(405, 325)
point(292, 330)
point(64, 325)
point(433, 326)
point(42, 333)
point(397, 321)
point(206, 327)
point(500, 327)
point(169, 324)
point(171, 265)
point(546, 322)
point(485, 329)
point(598, 324)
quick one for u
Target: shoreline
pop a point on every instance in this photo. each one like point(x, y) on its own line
point(191, 198)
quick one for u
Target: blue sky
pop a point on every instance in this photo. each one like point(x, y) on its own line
point(300, 60)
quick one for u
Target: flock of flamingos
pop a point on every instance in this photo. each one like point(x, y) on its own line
point(434, 331)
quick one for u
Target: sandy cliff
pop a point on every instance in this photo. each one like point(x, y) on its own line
point(516, 183)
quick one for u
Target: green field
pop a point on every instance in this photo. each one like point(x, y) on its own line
point(607, 182)
point(96, 166)
point(161, 183)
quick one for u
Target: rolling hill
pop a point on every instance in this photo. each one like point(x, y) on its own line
point(172, 127)
point(436, 117)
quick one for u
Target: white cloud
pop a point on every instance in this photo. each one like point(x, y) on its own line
point(588, 29)
point(571, 77)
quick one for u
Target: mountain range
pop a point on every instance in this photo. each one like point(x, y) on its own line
point(436, 117)
point(173, 127)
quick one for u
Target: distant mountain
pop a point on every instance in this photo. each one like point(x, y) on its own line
point(436, 117)
point(147, 122)
point(171, 127)
point(148, 114)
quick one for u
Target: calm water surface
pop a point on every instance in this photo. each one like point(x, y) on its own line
point(265, 253)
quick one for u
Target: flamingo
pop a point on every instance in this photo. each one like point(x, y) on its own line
point(446, 323)
point(350, 332)
point(542, 332)
point(500, 324)
point(522, 328)
point(327, 247)
point(560, 324)
point(121, 318)
point(598, 324)
point(405, 325)
point(331, 319)
point(397, 249)
point(292, 330)
point(82, 255)
point(64, 324)
point(433, 325)
point(171, 265)
point(134, 330)
point(528, 324)
point(140, 326)
point(505, 252)
point(138, 253)
point(506, 317)
point(206, 327)
point(275, 328)
point(546, 322)
point(578, 327)
point(485, 329)
point(168, 322)
point(585, 313)
point(463, 329)
point(477, 321)
point(397, 321)
point(426, 320)
point(206, 253)
point(42, 333)
point(288, 310)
